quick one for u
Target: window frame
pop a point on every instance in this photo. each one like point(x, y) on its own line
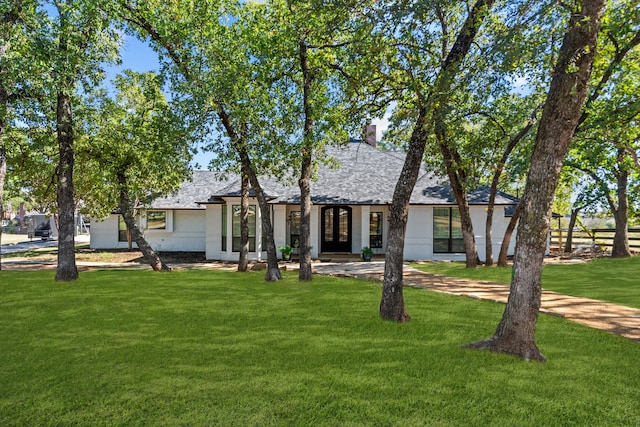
point(453, 240)
point(151, 213)
point(375, 239)
point(236, 240)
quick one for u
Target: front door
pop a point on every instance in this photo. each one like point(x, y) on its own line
point(336, 229)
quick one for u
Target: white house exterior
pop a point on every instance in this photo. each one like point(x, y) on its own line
point(350, 210)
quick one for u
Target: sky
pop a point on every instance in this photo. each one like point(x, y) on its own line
point(138, 56)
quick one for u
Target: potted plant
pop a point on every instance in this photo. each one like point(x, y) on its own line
point(366, 253)
point(286, 252)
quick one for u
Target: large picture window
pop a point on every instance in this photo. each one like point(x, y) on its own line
point(156, 220)
point(375, 230)
point(447, 231)
point(235, 238)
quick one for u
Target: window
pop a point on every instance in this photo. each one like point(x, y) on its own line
point(235, 225)
point(375, 230)
point(224, 227)
point(447, 231)
point(294, 229)
point(156, 220)
point(122, 230)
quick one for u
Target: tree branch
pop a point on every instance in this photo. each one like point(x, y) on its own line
point(617, 59)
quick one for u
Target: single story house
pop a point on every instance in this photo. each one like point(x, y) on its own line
point(350, 210)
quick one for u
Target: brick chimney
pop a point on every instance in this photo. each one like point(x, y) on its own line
point(370, 135)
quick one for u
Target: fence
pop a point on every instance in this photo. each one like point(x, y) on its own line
point(602, 237)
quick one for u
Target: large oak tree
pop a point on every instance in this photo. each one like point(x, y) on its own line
point(516, 331)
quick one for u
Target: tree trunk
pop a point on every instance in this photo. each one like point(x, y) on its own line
point(127, 211)
point(568, 247)
point(488, 229)
point(493, 190)
point(392, 301)
point(457, 178)
point(304, 254)
point(67, 269)
point(239, 144)
point(273, 271)
point(9, 18)
point(506, 240)
point(243, 260)
point(4, 104)
point(515, 333)
point(305, 273)
point(3, 174)
point(621, 247)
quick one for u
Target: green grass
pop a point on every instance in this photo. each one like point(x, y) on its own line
point(222, 348)
point(606, 279)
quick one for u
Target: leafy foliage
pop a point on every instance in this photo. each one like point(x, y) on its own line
point(135, 134)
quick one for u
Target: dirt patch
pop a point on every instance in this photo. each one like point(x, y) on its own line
point(114, 256)
point(136, 256)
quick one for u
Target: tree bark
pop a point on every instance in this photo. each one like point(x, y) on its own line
point(9, 18)
point(457, 178)
point(239, 144)
point(621, 247)
point(305, 273)
point(392, 301)
point(3, 174)
point(243, 257)
point(149, 254)
point(67, 269)
point(493, 190)
point(506, 240)
point(127, 211)
point(273, 270)
point(568, 247)
point(4, 104)
point(515, 333)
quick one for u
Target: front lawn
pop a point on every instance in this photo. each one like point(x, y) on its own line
point(606, 279)
point(222, 348)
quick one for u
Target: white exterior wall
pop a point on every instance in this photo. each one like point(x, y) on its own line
point(280, 226)
point(418, 241)
point(104, 234)
point(185, 232)
point(358, 222)
point(315, 225)
point(419, 235)
point(364, 219)
point(213, 232)
point(200, 230)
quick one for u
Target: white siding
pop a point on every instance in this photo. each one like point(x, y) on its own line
point(200, 231)
point(418, 242)
point(188, 233)
point(213, 241)
point(104, 234)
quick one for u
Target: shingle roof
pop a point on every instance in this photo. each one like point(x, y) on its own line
point(365, 176)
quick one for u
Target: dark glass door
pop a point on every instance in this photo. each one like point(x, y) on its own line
point(336, 229)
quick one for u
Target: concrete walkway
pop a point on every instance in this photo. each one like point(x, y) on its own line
point(617, 319)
